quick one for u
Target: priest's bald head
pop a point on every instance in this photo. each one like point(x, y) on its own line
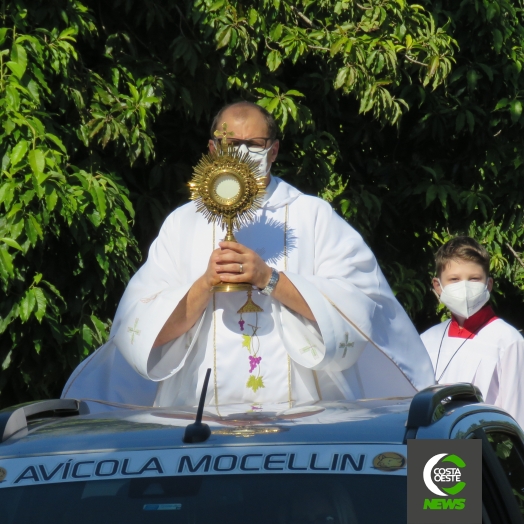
point(250, 125)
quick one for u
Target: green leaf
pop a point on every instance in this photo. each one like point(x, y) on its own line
point(433, 66)
point(7, 360)
point(17, 69)
point(19, 56)
point(37, 226)
point(51, 197)
point(101, 198)
point(19, 152)
point(27, 305)
point(41, 303)
point(276, 32)
point(294, 92)
point(6, 194)
point(503, 102)
point(274, 59)
point(335, 48)
point(223, 36)
point(6, 264)
point(56, 141)
point(273, 104)
point(341, 77)
point(30, 231)
point(497, 40)
point(431, 194)
point(217, 5)
point(12, 243)
point(3, 35)
point(87, 337)
point(36, 161)
point(515, 110)
point(253, 17)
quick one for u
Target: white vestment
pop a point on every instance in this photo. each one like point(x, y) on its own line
point(492, 359)
point(362, 344)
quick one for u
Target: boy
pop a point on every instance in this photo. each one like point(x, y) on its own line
point(475, 345)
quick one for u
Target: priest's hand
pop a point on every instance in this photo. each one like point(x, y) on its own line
point(231, 262)
point(237, 263)
point(234, 262)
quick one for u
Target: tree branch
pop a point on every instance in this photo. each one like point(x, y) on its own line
point(182, 17)
point(304, 17)
point(515, 254)
point(415, 61)
point(319, 47)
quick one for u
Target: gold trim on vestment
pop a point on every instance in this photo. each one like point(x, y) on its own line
point(215, 379)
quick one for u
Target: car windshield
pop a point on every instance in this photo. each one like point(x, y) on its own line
point(232, 499)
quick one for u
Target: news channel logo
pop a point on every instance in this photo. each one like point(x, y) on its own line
point(445, 481)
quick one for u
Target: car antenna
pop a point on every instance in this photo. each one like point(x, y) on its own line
point(198, 432)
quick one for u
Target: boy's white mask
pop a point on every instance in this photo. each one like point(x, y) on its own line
point(464, 298)
point(260, 158)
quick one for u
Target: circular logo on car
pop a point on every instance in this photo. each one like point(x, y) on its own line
point(3, 474)
point(389, 461)
point(445, 474)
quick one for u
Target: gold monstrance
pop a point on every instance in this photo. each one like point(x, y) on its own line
point(228, 189)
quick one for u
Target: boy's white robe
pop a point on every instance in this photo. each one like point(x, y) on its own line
point(493, 360)
point(362, 345)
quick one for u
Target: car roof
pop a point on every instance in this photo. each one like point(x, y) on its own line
point(72, 426)
point(110, 426)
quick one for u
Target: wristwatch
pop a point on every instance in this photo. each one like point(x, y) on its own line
point(275, 275)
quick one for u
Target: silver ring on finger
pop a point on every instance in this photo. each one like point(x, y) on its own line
point(240, 268)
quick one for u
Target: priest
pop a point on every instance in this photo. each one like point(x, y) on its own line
point(325, 326)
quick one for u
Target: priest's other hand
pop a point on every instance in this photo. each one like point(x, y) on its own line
point(234, 262)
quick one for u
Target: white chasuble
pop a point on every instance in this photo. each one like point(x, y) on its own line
point(362, 344)
point(492, 358)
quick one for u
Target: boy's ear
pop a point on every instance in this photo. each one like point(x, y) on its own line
point(489, 284)
point(436, 286)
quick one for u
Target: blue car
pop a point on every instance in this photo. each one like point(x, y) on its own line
point(78, 462)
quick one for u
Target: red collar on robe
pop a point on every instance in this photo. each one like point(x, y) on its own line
point(472, 324)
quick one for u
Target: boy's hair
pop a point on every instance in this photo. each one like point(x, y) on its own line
point(461, 248)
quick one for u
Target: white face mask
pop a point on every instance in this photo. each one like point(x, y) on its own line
point(260, 158)
point(464, 298)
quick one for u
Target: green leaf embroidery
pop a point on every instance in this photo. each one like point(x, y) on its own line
point(246, 342)
point(255, 383)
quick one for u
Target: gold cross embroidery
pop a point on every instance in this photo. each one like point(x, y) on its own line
point(311, 348)
point(134, 331)
point(224, 134)
point(345, 345)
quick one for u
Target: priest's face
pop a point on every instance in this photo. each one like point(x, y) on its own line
point(249, 126)
point(457, 270)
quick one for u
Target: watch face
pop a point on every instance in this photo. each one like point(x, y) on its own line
point(227, 189)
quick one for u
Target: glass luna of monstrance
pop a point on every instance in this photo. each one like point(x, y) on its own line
point(228, 189)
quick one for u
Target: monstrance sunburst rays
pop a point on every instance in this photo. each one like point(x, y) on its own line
point(227, 188)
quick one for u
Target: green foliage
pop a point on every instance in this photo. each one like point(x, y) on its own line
point(407, 118)
point(65, 239)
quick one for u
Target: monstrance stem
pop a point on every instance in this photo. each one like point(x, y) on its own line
point(229, 234)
